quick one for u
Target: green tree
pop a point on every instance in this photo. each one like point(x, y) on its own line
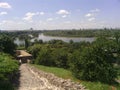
point(7, 44)
point(27, 43)
point(94, 64)
point(60, 57)
point(44, 57)
point(34, 50)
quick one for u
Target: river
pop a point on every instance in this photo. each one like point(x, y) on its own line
point(65, 39)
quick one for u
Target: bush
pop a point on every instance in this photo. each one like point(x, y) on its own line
point(44, 57)
point(8, 67)
point(53, 57)
point(60, 57)
point(94, 64)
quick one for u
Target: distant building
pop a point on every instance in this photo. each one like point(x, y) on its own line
point(23, 56)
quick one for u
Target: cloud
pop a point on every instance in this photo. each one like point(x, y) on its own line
point(63, 12)
point(64, 16)
point(91, 19)
point(49, 19)
point(5, 22)
point(92, 12)
point(4, 5)
point(3, 13)
point(29, 16)
point(95, 10)
point(41, 13)
point(89, 15)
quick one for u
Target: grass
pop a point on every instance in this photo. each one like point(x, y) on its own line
point(66, 74)
point(60, 72)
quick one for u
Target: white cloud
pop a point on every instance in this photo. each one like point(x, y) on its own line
point(41, 13)
point(95, 10)
point(91, 19)
point(63, 12)
point(49, 19)
point(29, 16)
point(5, 22)
point(92, 13)
point(13, 25)
point(4, 5)
point(89, 15)
point(3, 13)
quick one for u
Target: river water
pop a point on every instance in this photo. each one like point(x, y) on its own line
point(65, 39)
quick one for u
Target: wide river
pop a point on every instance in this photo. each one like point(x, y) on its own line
point(65, 39)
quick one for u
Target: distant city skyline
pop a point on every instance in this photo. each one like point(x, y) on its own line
point(59, 14)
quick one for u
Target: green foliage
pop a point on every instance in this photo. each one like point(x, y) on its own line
point(60, 57)
point(83, 32)
point(44, 58)
point(51, 54)
point(27, 43)
point(38, 41)
point(34, 50)
point(52, 57)
point(56, 42)
point(7, 65)
point(94, 64)
point(6, 44)
point(8, 68)
point(88, 61)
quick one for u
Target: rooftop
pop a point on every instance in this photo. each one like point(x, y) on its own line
point(22, 53)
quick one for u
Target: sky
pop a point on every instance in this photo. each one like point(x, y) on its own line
point(59, 14)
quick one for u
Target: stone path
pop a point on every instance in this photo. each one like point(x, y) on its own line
point(30, 80)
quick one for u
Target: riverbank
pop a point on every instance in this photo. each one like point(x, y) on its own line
point(69, 36)
point(82, 33)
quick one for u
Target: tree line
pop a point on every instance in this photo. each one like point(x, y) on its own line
point(83, 32)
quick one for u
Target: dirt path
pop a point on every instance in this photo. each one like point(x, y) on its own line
point(31, 81)
point(32, 78)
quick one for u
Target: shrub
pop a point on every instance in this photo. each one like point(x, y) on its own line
point(94, 64)
point(44, 57)
point(60, 57)
point(8, 67)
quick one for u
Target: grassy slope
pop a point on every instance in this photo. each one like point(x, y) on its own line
point(68, 75)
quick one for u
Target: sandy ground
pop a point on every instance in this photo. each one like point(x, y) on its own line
point(31, 81)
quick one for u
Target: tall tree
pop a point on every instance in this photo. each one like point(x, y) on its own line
point(7, 44)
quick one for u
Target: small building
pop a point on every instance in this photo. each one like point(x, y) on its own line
point(23, 56)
